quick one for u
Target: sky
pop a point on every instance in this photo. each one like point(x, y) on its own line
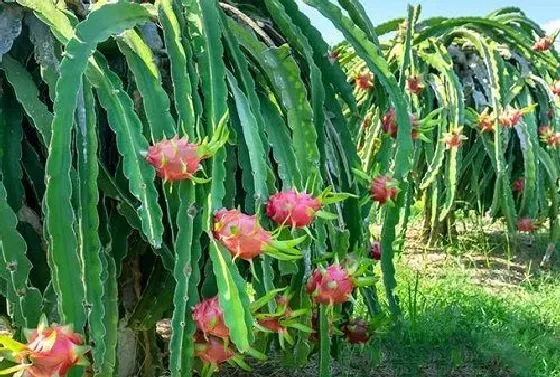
point(545, 12)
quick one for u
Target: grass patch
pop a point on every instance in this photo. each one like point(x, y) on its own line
point(471, 308)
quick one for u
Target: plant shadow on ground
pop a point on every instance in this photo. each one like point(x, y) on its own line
point(470, 308)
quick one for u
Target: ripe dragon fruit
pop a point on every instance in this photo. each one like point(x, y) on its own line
point(292, 208)
point(543, 44)
point(415, 84)
point(375, 250)
point(519, 185)
point(244, 237)
point(331, 286)
point(209, 318)
point(555, 88)
point(485, 121)
point(526, 225)
point(272, 324)
point(364, 81)
point(176, 159)
point(389, 123)
point(334, 55)
point(384, 189)
point(390, 126)
point(212, 350)
point(510, 118)
point(454, 139)
point(356, 331)
point(50, 351)
point(549, 137)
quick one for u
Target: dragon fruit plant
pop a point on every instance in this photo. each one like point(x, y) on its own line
point(298, 210)
point(177, 159)
point(49, 351)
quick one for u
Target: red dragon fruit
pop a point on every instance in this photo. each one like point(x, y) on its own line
point(212, 350)
point(550, 113)
point(384, 189)
point(390, 126)
point(415, 84)
point(240, 233)
point(50, 351)
point(526, 225)
point(519, 185)
point(364, 81)
point(454, 139)
point(176, 159)
point(543, 44)
point(389, 123)
point(295, 209)
point(272, 324)
point(375, 250)
point(331, 286)
point(555, 88)
point(356, 331)
point(244, 237)
point(510, 118)
point(334, 55)
point(209, 318)
point(549, 137)
point(485, 121)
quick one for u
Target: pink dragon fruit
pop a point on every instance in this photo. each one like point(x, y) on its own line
point(292, 208)
point(549, 137)
point(334, 55)
point(50, 351)
point(364, 81)
point(209, 318)
point(390, 126)
point(519, 185)
point(510, 118)
point(356, 331)
point(415, 84)
point(526, 225)
point(555, 88)
point(212, 350)
point(244, 237)
point(331, 286)
point(454, 139)
point(272, 324)
point(485, 121)
point(176, 159)
point(375, 250)
point(543, 44)
point(241, 234)
point(384, 189)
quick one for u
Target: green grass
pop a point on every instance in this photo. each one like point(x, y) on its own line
point(470, 308)
point(453, 326)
